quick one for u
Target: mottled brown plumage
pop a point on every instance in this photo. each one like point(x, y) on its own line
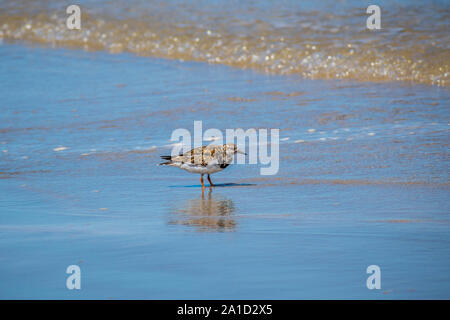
point(206, 154)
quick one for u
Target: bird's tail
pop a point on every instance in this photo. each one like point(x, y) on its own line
point(166, 158)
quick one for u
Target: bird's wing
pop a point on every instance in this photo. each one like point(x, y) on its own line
point(202, 155)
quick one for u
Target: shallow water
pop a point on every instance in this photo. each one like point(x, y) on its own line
point(363, 180)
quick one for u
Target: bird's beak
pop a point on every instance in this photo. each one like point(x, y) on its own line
point(241, 152)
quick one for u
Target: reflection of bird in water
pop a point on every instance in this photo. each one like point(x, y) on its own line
point(204, 160)
point(207, 214)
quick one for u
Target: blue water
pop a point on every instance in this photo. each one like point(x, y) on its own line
point(368, 186)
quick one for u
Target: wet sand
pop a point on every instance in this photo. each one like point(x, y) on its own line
point(363, 180)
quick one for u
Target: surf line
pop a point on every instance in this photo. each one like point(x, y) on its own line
point(194, 310)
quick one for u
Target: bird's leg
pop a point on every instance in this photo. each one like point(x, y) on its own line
point(201, 181)
point(210, 182)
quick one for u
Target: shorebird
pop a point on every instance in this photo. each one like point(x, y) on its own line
point(204, 160)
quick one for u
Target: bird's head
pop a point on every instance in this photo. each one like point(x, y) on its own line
point(231, 148)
